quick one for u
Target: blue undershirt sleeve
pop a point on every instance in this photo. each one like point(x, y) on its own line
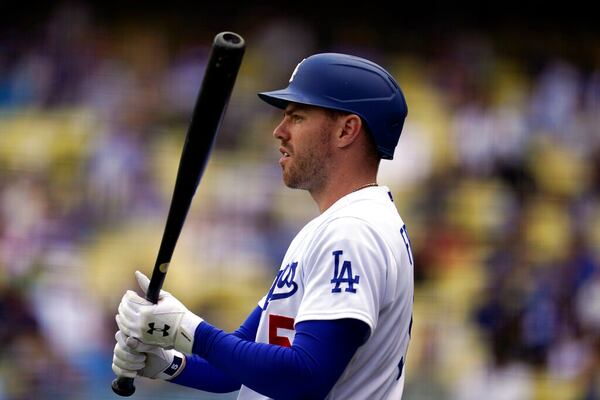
point(247, 331)
point(199, 374)
point(308, 369)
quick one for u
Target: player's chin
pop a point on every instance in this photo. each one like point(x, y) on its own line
point(291, 180)
point(287, 182)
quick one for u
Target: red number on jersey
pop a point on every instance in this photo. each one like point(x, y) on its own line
point(276, 322)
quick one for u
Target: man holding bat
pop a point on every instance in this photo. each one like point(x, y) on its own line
point(336, 321)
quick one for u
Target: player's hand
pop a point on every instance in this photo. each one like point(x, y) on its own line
point(132, 357)
point(168, 324)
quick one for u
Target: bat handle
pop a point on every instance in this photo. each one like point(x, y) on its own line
point(123, 386)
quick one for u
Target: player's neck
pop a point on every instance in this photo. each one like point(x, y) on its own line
point(336, 188)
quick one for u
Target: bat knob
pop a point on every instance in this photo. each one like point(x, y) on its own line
point(123, 386)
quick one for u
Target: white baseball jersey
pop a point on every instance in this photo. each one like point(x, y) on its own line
point(352, 261)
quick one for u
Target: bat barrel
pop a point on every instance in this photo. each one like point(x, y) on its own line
point(221, 71)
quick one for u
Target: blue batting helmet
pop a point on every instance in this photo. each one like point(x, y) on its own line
point(352, 84)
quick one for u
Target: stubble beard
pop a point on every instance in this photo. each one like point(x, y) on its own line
point(309, 170)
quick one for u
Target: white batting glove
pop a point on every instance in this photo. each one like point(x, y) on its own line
point(132, 357)
point(168, 324)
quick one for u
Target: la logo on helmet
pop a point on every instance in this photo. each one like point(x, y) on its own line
point(296, 70)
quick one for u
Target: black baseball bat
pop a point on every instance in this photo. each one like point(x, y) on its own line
point(221, 70)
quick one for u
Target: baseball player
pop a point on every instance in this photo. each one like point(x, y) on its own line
point(336, 321)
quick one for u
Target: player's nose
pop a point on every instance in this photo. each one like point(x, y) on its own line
point(280, 132)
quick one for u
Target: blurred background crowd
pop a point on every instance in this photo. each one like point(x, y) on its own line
point(497, 175)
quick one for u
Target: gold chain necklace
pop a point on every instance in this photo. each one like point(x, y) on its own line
point(365, 186)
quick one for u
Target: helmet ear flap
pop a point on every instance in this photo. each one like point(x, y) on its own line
point(351, 84)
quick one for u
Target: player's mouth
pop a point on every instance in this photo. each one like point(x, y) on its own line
point(284, 155)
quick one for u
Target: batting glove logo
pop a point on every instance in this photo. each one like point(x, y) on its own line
point(165, 330)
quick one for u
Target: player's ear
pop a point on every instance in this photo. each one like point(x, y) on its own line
point(349, 129)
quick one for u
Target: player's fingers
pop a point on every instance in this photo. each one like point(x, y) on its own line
point(120, 372)
point(124, 327)
point(126, 358)
point(140, 346)
point(123, 308)
point(125, 341)
point(142, 281)
point(133, 343)
point(135, 300)
point(127, 365)
point(129, 311)
point(120, 337)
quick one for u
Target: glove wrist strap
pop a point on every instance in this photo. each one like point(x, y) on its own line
point(175, 368)
point(184, 341)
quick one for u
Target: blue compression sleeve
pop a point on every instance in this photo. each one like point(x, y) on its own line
point(199, 374)
point(319, 354)
point(247, 331)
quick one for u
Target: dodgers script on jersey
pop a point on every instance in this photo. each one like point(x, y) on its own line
point(352, 261)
